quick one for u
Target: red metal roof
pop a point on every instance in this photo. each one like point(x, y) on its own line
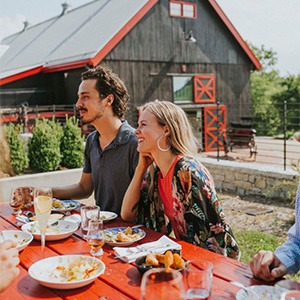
point(116, 38)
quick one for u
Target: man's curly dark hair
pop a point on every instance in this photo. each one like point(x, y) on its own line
point(109, 83)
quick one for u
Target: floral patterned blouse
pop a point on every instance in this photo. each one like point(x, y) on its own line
point(197, 212)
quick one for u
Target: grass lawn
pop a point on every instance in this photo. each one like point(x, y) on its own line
point(250, 242)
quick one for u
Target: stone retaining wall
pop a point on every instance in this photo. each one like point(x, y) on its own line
point(239, 178)
point(251, 179)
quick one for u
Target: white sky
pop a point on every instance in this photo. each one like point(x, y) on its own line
point(272, 23)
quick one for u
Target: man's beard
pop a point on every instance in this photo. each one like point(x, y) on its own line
point(91, 120)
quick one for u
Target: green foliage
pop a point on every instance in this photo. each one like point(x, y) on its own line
point(44, 146)
point(250, 242)
point(269, 91)
point(18, 155)
point(72, 147)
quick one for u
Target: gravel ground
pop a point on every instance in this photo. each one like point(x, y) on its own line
point(256, 213)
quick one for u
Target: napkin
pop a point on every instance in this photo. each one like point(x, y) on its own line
point(75, 218)
point(130, 254)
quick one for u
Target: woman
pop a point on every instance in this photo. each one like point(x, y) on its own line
point(171, 191)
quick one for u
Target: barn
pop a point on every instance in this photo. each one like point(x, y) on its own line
point(187, 52)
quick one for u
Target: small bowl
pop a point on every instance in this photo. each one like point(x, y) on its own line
point(141, 265)
point(21, 238)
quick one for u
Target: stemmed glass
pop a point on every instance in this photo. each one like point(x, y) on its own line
point(159, 283)
point(95, 237)
point(42, 208)
point(16, 201)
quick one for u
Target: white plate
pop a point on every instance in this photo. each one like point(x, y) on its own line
point(46, 273)
point(111, 233)
point(262, 292)
point(56, 230)
point(23, 239)
point(66, 205)
point(107, 216)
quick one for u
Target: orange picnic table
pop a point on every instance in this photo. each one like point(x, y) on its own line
point(120, 280)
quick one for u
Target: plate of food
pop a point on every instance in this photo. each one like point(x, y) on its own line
point(53, 216)
point(262, 292)
point(21, 238)
point(64, 205)
point(171, 259)
point(57, 230)
point(106, 216)
point(66, 271)
point(123, 236)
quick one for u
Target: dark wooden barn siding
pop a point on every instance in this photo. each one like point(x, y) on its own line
point(157, 45)
point(148, 81)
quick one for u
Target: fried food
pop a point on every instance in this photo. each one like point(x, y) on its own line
point(128, 230)
point(151, 260)
point(178, 262)
point(168, 260)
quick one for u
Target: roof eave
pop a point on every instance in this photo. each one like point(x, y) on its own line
point(256, 64)
point(20, 75)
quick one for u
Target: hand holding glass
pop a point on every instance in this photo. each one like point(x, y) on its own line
point(42, 209)
point(95, 237)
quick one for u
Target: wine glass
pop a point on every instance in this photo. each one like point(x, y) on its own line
point(42, 208)
point(159, 283)
point(95, 237)
point(16, 201)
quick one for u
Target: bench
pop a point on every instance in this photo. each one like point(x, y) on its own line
point(241, 135)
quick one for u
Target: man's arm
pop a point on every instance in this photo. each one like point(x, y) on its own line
point(80, 190)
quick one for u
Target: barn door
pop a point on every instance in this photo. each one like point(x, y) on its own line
point(210, 120)
point(204, 89)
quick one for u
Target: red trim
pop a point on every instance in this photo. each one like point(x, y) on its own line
point(204, 92)
point(21, 75)
point(124, 30)
point(235, 33)
point(67, 66)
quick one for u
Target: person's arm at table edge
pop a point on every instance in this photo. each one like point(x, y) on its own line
point(80, 190)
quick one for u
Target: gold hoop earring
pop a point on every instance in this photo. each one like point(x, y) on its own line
point(163, 149)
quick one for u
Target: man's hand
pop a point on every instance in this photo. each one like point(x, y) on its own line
point(267, 266)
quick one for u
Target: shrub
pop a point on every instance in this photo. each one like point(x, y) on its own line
point(72, 147)
point(18, 155)
point(44, 146)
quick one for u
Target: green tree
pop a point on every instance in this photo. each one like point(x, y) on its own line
point(72, 147)
point(18, 155)
point(264, 84)
point(44, 146)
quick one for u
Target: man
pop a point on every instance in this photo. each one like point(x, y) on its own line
point(286, 258)
point(110, 155)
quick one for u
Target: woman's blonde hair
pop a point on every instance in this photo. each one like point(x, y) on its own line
point(183, 140)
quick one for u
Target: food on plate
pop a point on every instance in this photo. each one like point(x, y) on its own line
point(122, 236)
point(60, 205)
point(167, 260)
point(77, 269)
point(52, 217)
point(53, 228)
point(57, 204)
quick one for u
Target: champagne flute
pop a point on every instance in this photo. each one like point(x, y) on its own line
point(16, 201)
point(95, 237)
point(159, 283)
point(42, 208)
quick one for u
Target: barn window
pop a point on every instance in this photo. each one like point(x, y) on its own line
point(183, 9)
point(183, 89)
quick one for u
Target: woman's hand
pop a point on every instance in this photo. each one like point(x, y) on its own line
point(145, 160)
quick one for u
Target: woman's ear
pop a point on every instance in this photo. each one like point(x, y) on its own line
point(166, 130)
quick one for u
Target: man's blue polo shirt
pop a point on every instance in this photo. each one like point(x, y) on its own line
point(112, 169)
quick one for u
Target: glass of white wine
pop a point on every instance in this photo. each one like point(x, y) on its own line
point(42, 208)
point(95, 237)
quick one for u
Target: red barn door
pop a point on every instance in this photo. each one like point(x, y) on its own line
point(210, 119)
